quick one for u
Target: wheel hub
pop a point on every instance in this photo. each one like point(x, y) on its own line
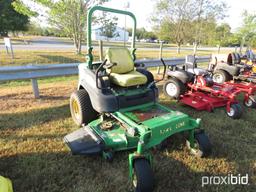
point(231, 112)
point(135, 181)
point(217, 78)
point(75, 107)
point(249, 103)
point(171, 89)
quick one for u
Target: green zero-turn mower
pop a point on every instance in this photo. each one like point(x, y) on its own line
point(116, 106)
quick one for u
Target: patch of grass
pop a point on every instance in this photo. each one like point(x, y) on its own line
point(25, 57)
point(34, 157)
point(40, 57)
point(40, 81)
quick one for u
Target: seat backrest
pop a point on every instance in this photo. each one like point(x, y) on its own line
point(122, 59)
point(190, 62)
point(233, 58)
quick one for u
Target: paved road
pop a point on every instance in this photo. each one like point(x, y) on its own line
point(52, 43)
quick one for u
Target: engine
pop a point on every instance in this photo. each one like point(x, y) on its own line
point(205, 81)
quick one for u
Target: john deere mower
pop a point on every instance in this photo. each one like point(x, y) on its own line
point(117, 109)
point(194, 86)
point(229, 69)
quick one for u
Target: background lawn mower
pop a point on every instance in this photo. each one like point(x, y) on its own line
point(194, 87)
point(249, 59)
point(117, 107)
point(229, 69)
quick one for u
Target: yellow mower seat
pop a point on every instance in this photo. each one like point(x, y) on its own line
point(5, 185)
point(128, 79)
point(122, 73)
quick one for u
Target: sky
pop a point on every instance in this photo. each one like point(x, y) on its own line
point(144, 8)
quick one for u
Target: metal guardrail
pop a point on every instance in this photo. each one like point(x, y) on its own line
point(34, 72)
point(37, 71)
point(169, 61)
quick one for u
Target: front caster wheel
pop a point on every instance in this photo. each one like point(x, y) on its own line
point(235, 111)
point(250, 103)
point(143, 178)
point(202, 146)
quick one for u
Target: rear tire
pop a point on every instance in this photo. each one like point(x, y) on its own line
point(81, 108)
point(143, 179)
point(220, 76)
point(174, 88)
point(235, 111)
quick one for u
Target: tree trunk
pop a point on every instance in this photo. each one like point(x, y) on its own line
point(79, 46)
point(77, 43)
point(195, 47)
point(241, 45)
point(178, 48)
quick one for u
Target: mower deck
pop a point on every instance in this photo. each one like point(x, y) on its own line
point(245, 87)
point(122, 130)
point(203, 101)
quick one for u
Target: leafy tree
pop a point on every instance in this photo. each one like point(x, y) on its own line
point(142, 33)
point(10, 20)
point(67, 16)
point(150, 35)
point(108, 25)
point(223, 32)
point(247, 32)
point(184, 20)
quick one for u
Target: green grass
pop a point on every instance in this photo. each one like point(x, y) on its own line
point(34, 157)
point(39, 57)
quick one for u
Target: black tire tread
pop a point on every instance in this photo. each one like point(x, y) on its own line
point(145, 176)
point(204, 144)
point(238, 111)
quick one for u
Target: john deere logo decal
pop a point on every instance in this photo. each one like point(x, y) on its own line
point(167, 130)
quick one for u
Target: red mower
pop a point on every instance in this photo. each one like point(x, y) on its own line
point(228, 69)
point(195, 87)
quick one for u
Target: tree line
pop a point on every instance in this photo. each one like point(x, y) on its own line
point(175, 21)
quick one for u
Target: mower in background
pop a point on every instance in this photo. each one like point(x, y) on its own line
point(194, 86)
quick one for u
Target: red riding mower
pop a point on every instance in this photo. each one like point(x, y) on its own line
point(194, 87)
point(229, 69)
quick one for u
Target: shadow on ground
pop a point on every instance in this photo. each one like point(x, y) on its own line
point(33, 117)
point(62, 172)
